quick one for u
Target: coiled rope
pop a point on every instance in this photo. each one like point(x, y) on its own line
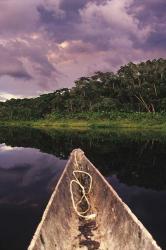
point(84, 193)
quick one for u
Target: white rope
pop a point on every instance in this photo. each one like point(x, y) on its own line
point(84, 193)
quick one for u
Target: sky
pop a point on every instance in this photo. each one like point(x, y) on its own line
point(48, 44)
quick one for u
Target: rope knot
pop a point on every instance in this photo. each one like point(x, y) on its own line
point(84, 193)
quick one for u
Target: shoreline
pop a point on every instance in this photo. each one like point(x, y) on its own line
point(89, 124)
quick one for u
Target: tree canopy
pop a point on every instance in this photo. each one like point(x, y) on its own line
point(133, 88)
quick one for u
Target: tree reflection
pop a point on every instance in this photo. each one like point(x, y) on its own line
point(136, 158)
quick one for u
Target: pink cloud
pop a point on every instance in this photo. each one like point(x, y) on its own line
point(47, 44)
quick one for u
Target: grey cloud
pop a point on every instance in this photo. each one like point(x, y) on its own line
point(152, 13)
point(59, 27)
point(27, 59)
point(11, 66)
point(88, 21)
point(93, 21)
point(156, 40)
point(76, 5)
point(72, 5)
point(16, 74)
point(63, 21)
point(43, 38)
point(18, 16)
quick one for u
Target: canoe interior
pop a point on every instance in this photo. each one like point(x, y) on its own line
point(114, 228)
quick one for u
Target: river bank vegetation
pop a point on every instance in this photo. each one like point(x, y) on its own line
point(133, 96)
point(97, 120)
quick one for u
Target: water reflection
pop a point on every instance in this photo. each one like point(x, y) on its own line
point(136, 158)
point(147, 204)
point(27, 178)
point(31, 161)
point(26, 169)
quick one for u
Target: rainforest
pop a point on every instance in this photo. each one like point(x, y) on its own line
point(136, 94)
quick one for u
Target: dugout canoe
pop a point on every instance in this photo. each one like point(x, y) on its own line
point(114, 226)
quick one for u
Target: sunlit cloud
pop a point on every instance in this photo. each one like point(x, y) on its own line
point(64, 45)
point(5, 96)
point(4, 148)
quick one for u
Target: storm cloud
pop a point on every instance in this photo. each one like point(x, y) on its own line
point(47, 44)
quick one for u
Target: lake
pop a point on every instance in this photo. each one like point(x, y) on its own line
point(31, 161)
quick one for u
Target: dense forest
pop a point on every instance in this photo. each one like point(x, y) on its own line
point(133, 88)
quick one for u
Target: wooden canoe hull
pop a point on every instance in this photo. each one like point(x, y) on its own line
point(114, 228)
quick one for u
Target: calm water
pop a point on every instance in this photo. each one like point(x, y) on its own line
point(31, 161)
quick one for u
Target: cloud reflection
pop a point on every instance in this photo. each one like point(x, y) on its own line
point(26, 172)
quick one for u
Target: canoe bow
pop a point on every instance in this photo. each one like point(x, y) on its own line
point(113, 226)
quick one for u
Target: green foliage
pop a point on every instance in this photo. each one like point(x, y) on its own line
point(87, 120)
point(134, 88)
